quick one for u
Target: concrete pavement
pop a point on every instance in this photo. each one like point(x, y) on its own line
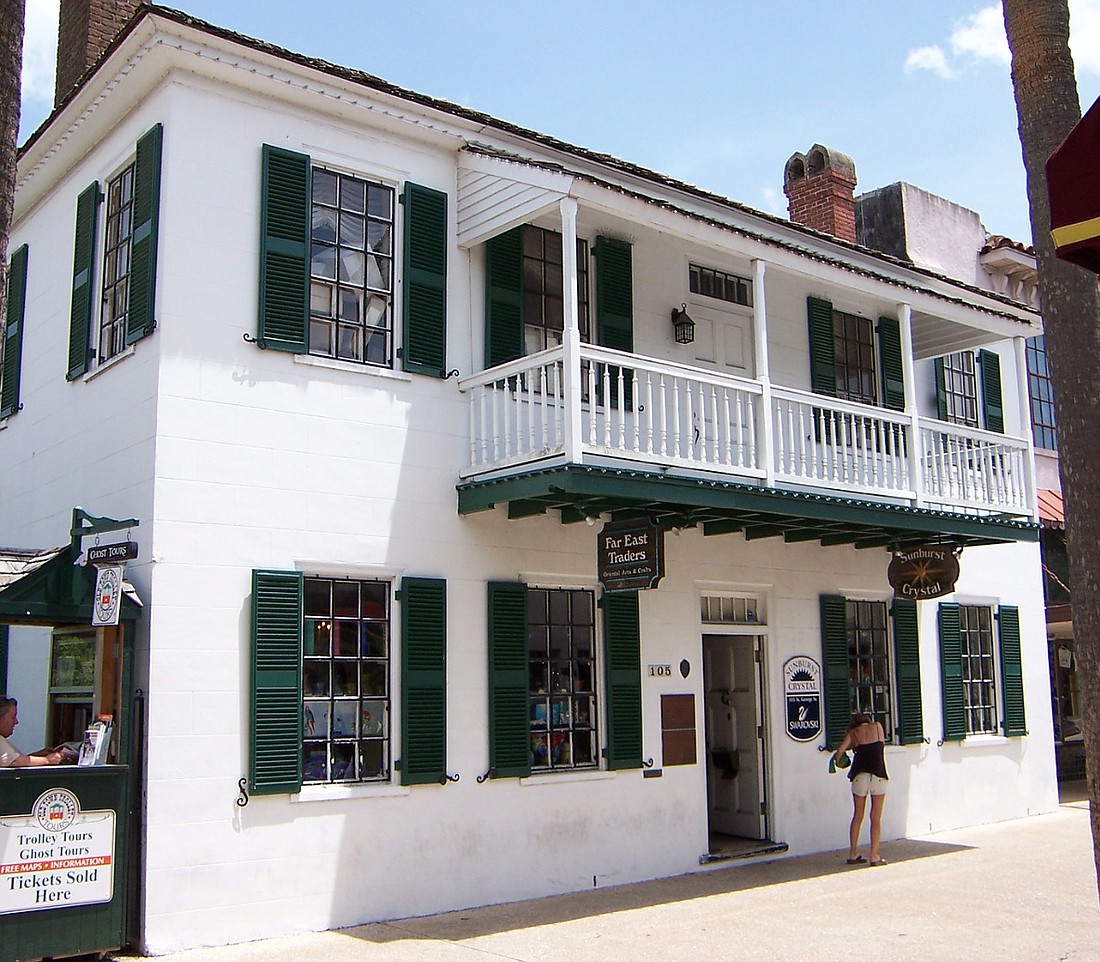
point(1019, 891)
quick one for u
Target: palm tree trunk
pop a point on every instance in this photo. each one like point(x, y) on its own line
point(1047, 105)
point(11, 66)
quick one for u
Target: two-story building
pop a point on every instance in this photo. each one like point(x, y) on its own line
point(510, 519)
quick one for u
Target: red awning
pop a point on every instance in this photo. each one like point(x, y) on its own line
point(1051, 512)
point(1073, 184)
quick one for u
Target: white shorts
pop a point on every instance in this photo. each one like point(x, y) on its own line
point(865, 784)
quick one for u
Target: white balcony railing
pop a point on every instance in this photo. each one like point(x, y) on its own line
point(672, 416)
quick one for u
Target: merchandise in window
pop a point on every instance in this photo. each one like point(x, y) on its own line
point(561, 689)
point(351, 269)
point(869, 661)
point(345, 681)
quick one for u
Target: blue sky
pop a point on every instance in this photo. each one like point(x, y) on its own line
point(718, 93)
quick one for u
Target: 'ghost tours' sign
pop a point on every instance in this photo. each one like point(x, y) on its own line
point(929, 571)
point(630, 555)
point(802, 692)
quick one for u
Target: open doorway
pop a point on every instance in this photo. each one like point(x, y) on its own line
point(737, 805)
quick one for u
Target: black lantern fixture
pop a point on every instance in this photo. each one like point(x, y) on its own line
point(682, 326)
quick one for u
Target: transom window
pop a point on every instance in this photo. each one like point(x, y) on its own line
point(1041, 389)
point(960, 388)
point(116, 264)
point(345, 681)
point(979, 681)
point(561, 687)
point(854, 348)
point(869, 661)
point(718, 284)
point(730, 610)
point(543, 286)
point(351, 269)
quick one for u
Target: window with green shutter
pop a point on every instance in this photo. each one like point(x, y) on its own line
point(425, 278)
point(910, 725)
point(423, 681)
point(13, 334)
point(615, 315)
point(284, 250)
point(140, 316)
point(80, 309)
point(509, 725)
point(819, 317)
point(834, 654)
point(992, 401)
point(622, 646)
point(890, 363)
point(951, 672)
point(1012, 679)
point(276, 750)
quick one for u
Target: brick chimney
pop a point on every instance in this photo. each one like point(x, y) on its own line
point(85, 30)
point(820, 188)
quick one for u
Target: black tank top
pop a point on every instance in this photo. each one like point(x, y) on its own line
point(869, 758)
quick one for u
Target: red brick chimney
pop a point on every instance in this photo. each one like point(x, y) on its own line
point(85, 30)
point(820, 188)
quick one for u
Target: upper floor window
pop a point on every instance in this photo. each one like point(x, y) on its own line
point(1040, 387)
point(116, 264)
point(351, 268)
point(720, 285)
point(960, 388)
point(543, 289)
point(854, 349)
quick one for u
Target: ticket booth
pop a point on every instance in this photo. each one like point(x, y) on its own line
point(70, 835)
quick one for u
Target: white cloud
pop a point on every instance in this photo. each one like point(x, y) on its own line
point(929, 58)
point(40, 49)
point(981, 36)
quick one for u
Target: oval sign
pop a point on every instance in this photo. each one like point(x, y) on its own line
point(929, 571)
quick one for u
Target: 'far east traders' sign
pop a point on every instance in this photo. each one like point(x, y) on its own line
point(929, 571)
point(630, 555)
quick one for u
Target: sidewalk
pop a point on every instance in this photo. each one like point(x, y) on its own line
point(1020, 891)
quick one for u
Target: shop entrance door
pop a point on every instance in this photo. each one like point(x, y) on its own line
point(736, 804)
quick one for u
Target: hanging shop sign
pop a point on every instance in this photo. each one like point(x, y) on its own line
point(113, 553)
point(802, 692)
point(56, 856)
point(108, 595)
point(929, 571)
point(630, 555)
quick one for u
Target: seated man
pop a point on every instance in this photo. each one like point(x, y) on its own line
point(10, 757)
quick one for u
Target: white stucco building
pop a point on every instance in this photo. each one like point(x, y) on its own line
point(373, 372)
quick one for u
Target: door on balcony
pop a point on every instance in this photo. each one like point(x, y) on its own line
point(723, 341)
point(736, 802)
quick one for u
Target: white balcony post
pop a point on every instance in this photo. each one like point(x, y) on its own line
point(1020, 345)
point(916, 477)
point(760, 354)
point(571, 336)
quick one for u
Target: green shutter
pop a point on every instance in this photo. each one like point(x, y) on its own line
point(951, 674)
point(140, 318)
point(993, 415)
point(1012, 670)
point(80, 307)
point(834, 654)
point(941, 389)
point(907, 667)
point(623, 668)
point(893, 373)
point(504, 297)
point(509, 727)
point(276, 751)
point(284, 250)
point(423, 681)
point(424, 313)
point(13, 333)
point(819, 316)
point(614, 294)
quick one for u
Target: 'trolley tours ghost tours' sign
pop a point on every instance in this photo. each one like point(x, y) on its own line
point(630, 555)
point(56, 856)
point(929, 571)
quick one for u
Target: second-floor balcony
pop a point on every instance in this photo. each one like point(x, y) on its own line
point(608, 408)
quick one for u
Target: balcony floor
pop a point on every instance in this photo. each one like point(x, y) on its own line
point(720, 507)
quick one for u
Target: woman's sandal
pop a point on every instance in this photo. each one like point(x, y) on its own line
point(877, 862)
point(858, 860)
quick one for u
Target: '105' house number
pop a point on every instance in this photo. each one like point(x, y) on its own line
point(660, 671)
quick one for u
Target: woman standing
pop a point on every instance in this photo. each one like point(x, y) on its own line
point(868, 777)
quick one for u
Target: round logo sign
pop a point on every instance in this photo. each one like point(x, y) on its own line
point(56, 809)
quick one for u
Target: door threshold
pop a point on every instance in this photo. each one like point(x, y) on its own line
point(730, 848)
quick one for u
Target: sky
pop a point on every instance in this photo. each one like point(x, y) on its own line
point(717, 93)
